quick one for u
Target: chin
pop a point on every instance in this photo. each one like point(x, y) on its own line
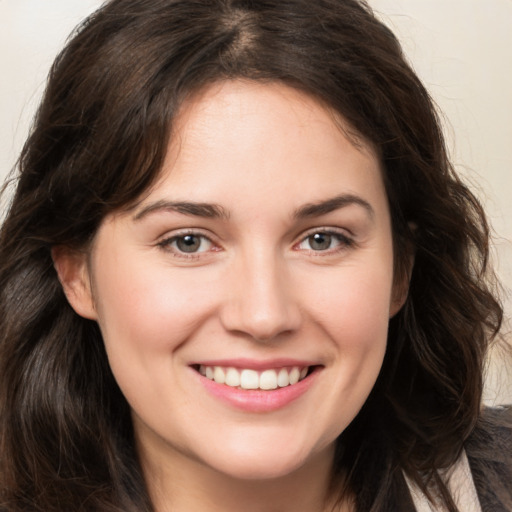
point(260, 470)
point(268, 461)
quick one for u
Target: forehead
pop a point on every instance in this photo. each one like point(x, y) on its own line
point(262, 106)
point(252, 139)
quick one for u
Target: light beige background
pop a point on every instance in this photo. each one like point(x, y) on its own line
point(462, 49)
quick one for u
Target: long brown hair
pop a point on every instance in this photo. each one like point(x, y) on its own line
point(97, 145)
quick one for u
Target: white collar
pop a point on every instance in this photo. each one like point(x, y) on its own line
point(460, 484)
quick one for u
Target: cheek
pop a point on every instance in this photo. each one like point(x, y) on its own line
point(147, 310)
point(359, 331)
point(354, 315)
point(354, 303)
point(358, 327)
point(144, 320)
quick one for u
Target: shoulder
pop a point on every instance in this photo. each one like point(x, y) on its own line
point(489, 452)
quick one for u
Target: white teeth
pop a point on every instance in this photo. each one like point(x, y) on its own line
point(268, 379)
point(283, 379)
point(232, 378)
point(294, 376)
point(251, 379)
point(219, 375)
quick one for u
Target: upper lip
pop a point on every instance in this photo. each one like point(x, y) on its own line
point(253, 364)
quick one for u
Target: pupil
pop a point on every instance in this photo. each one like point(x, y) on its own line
point(320, 241)
point(188, 243)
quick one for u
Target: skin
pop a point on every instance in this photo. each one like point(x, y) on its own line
point(258, 288)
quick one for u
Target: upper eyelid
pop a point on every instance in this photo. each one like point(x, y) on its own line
point(214, 238)
point(217, 240)
point(331, 230)
point(169, 238)
point(170, 235)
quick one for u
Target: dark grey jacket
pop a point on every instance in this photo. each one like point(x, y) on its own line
point(489, 452)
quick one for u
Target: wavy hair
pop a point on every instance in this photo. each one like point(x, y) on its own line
point(97, 144)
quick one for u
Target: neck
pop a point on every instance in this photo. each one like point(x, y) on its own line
point(184, 484)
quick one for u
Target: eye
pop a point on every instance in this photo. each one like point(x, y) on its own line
point(188, 243)
point(324, 241)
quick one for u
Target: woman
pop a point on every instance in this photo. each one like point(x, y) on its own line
point(239, 272)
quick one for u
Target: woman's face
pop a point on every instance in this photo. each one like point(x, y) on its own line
point(262, 256)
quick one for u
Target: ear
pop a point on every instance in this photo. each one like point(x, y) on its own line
point(401, 284)
point(400, 292)
point(74, 276)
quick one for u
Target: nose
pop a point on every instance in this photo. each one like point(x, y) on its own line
point(261, 302)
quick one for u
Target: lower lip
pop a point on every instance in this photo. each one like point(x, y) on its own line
point(256, 400)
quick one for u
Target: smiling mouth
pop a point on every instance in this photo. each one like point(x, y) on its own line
point(249, 379)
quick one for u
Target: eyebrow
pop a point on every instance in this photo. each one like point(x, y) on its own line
point(215, 211)
point(207, 210)
point(332, 204)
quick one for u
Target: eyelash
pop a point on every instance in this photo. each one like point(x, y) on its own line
point(344, 242)
point(167, 243)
